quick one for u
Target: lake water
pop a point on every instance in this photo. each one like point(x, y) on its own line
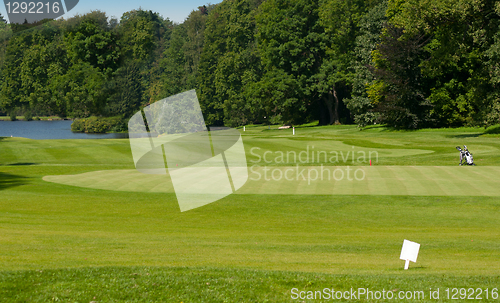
point(38, 130)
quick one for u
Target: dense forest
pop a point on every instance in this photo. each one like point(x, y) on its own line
point(407, 64)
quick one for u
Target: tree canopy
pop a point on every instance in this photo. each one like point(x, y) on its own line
point(407, 64)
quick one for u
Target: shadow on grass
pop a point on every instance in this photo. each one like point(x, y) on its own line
point(493, 130)
point(22, 164)
point(378, 127)
point(471, 135)
point(9, 180)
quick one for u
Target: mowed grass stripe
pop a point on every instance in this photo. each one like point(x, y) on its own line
point(476, 180)
point(376, 188)
point(21, 151)
point(427, 178)
point(379, 180)
point(384, 181)
point(417, 179)
point(395, 184)
point(118, 180)
point(437, 178)
point(453, 182)
point(116, 154)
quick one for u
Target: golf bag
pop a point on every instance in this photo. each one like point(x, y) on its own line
point(465, 156)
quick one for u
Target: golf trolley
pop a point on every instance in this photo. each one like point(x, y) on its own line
point(465, 155)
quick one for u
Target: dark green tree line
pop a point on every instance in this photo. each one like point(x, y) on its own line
point(407, 64)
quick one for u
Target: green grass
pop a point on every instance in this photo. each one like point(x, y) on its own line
point(70, 243)
point(317, 180)
point(192, 284)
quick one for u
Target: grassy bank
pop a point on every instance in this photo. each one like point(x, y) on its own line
point(192, 284)
point(21, 118)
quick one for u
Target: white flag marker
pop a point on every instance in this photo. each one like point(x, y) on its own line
point(409, 252)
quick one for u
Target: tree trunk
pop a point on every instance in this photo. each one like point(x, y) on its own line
point(335, 117)
point(332, 104)
point(329, 106)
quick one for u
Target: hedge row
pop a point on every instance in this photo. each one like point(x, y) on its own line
point(98, 125)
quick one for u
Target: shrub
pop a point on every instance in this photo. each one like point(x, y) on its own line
point(99, 125)
point(95, 125)
point(78, 126)
point(117, 124)
point(28, 116)
point(13, 116)
point(276, 119)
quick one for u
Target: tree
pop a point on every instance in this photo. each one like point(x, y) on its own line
point(289, 38)
point(41, 63)
point(140, 34)
point(80, 91)
point(143, 36)
point(3, 22)
point(177, 74)
point(401, 83)
point(91, 41)
point(360, 104)
point(10, 96)
point(230, 63)
point(449, 77)
point(127, 91)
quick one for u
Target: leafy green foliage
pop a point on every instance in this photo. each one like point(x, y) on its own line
point(229, 64)
point(28, 116)
point(361, 104)
point(180, 62)
point(397, 66)
point(98, 125)
point(12, 115)
point(448, 79)
point(140, 33)
point(127, 90)
point(289, 37)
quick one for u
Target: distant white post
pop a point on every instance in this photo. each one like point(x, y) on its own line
point(409, 252)
point(243, 128)
point(294, 130)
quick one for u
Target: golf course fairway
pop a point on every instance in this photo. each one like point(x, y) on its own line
point(316, 180)
point(79, 224)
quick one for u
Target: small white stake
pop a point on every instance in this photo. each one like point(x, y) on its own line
point(243, 128)
point(407, 264)
point(294, 131)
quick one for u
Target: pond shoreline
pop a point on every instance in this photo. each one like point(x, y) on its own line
point(21, 118)
point(49, 129)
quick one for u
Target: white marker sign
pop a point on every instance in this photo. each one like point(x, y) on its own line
point(409, 252)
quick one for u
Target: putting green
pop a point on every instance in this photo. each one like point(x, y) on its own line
point(318, 180)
